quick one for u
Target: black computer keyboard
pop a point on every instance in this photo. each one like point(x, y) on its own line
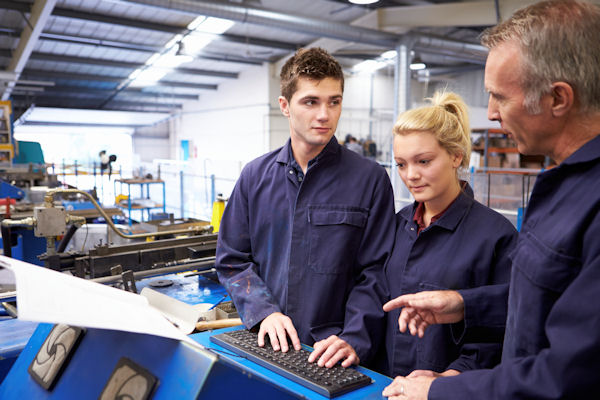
point(293, 365)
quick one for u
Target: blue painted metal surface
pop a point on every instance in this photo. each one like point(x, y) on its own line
point(78, 205)
point(190, 290)
point(14, 335)
point(183, 371)
point(28, 246)
point(8, 190)
point(520, 212)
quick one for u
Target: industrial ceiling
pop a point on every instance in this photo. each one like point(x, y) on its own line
point(85, 54)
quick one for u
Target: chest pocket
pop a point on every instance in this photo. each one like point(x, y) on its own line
point(540, 276)
point(335, 232)
point(545, 267)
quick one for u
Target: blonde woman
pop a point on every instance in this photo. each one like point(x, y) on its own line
point(445, 240)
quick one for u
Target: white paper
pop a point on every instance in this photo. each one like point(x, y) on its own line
point(182, 315)
point(45, 295)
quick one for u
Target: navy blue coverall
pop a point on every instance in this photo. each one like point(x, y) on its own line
point(552, 341)
point(313, 250)
point(467, 248)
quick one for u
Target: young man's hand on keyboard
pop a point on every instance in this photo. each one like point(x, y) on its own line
point(279, 327)
point(332, 350)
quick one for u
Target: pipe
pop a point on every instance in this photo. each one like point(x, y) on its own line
point(205, 262)
point(66, 239)
point(49, 201)
point(28, 222)
point(6, 240)
point(429, 43)
point(311, 26)
point(329, 29)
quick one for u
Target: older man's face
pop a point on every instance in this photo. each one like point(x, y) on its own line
point(506, 102)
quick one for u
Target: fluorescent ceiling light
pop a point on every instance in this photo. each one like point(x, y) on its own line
point(159, 67)
point(195, 42)
point(369, 66)
point(417, 64)
point(173, 41)
point(149, 77)
point(363, 1)
point(171, 59)
point(389, 55)
point(213, 25)
point(202, 32)
point(196, 22)
point(93, 117)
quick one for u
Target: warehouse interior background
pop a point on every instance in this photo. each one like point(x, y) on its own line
point(124, 127)
point(186, 91)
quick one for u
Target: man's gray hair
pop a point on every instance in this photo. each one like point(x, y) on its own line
point(560, 42)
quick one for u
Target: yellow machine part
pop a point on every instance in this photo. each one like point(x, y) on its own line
point(121, 197)
point(217, 214)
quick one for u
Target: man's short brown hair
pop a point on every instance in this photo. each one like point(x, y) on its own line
point(314, 63)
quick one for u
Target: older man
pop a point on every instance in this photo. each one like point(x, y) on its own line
point(543, 77)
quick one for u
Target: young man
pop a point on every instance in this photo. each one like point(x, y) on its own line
point(308, 227)
point(544, 83)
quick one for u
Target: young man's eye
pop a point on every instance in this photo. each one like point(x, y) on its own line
point(336, 102)
point(309, 102)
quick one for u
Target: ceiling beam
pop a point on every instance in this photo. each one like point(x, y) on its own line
point(96, 92)
point(40, 11)
point(112, 79)
point(274, 19)
point(118, 64)
point(469, 13)
point(128, 22)
point(116, 20)
point(80, 103)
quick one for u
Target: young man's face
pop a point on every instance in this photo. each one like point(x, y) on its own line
point(313, 112)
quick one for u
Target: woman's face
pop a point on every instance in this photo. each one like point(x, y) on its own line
point(427, 169)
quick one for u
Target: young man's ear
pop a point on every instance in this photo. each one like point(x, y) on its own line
point(284, 106)
point(563, 98)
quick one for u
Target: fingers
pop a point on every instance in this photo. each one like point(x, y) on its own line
point(292, 333)
point(400, 301)
point(261, 334)
point(406, 315)
point(422, 372)
point(421, 328)
point(332, 350)
point(278, 327)
point(280, 338)
point(414, 323)
point(319, 348)
point(396, 388)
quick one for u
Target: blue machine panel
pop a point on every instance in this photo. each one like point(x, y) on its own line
point(8, 190)
point(14, 335)
point(182, 371)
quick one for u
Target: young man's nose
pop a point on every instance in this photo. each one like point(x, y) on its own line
point(323, 112)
